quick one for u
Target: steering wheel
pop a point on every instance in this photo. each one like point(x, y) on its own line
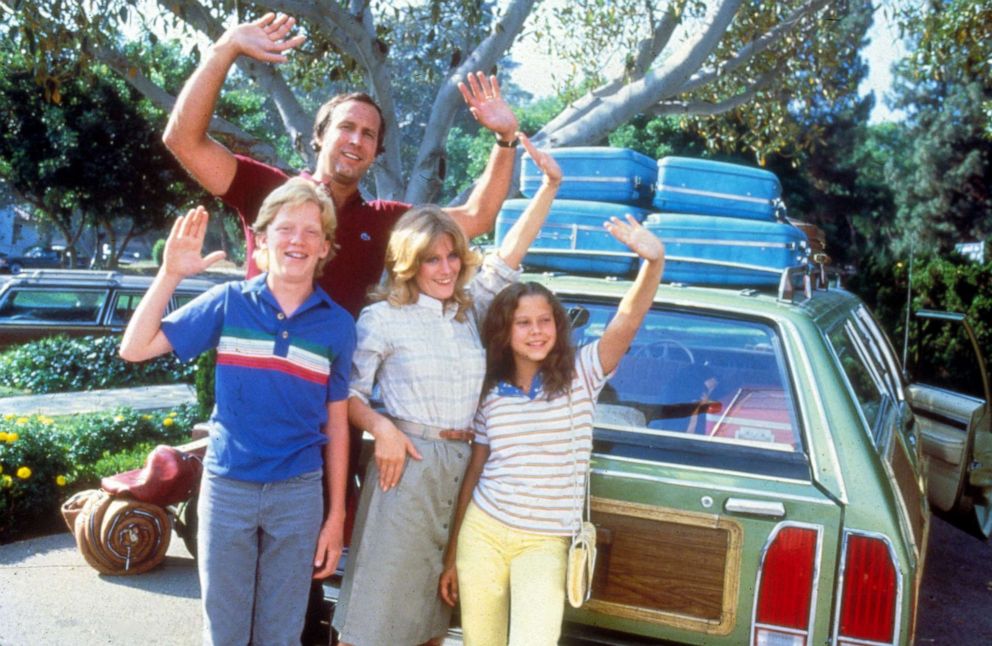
point(664, 349)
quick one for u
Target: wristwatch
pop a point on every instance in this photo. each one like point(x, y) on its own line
point(513, 143)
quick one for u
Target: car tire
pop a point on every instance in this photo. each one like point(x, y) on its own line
point(15, 268)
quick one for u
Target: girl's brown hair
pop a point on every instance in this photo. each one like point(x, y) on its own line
point(409, 244)
point(558, 368)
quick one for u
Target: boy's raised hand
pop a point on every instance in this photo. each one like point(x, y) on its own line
point(183, 249)
point(544, 161)
point(638, 239)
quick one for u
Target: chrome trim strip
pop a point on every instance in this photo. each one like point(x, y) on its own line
point(767, 508)
point(712, 487)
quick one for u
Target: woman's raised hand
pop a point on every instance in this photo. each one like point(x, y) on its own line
point(638, 239)
point(183, 249)
point(544, 161)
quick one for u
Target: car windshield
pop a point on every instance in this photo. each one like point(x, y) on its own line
point(715, 383)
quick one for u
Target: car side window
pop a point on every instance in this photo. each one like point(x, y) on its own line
point(124, 307)
point(695, 378)
point(862, 372)
point(63, 305)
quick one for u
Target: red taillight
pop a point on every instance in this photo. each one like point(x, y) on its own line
point(871, 591)
point(785, 587)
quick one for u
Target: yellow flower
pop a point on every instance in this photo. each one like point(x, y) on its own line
point(9, 416)
point(118, 418)
point(3, 436)
point(173, 413)
point(168, 421)
point(12, 437)
point(60, 481)
point(6, 481)
point(44, 419)
point(147, 418)
point(24, 473)
point(21, 421)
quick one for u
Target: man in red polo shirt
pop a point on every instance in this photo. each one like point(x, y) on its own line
point(347, 136)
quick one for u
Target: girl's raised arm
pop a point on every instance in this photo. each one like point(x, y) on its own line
point(520, 236)
point(637, 301)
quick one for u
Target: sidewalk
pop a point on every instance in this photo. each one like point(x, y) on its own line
point(76, 403)
point(51, 596)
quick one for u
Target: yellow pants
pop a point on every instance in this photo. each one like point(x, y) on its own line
point(509, 579)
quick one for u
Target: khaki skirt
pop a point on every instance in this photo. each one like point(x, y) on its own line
point(389, 593)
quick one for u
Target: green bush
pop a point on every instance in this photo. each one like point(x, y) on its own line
point(61, 364)
point(158, 250)
point(206, 366)
point(43, 460)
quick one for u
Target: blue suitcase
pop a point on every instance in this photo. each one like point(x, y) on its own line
point(573, 238)
point(597, 173)
point(705, 187)
point(715, 250)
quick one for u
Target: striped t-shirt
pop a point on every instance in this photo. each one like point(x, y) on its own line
point(534, 477)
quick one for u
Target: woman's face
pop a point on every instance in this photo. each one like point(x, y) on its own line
point(534, 332)
point(439, 270)
point(295, 241)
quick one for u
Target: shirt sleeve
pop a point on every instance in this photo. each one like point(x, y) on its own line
point(252, 183)
point(479, 426)
point(589, 368)
point(490, 280)
point(338, 384)
point(196, 326)
point(371, 348)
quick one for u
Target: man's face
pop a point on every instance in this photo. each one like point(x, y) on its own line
point(349, 144)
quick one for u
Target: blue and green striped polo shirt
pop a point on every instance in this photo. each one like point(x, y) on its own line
point(275, 375)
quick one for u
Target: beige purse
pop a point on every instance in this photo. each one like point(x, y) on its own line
point(582, 551)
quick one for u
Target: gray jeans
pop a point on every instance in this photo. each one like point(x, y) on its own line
point(256, 546)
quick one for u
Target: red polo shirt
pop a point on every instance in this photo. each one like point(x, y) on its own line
point(362, 233)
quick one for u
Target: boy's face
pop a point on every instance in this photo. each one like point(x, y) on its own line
point(295, 242)
point(349, 144)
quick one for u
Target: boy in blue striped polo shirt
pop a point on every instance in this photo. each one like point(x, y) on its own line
point(283, 361)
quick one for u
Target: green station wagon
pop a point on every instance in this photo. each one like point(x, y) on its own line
point(760, 469)
point(763, 470)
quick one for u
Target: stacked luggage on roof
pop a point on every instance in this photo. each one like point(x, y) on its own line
point(721, 223)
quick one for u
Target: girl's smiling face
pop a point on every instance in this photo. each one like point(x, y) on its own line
point(438, 273)
point(533, 332)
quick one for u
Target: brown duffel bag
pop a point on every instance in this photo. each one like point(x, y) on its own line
point(118, 535)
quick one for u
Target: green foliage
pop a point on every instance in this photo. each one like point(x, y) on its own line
point(935, 353)
point(43, 460)
point(62, 364)
point(206, 365)
point(158, 251)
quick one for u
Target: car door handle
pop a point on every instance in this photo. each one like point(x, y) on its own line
point(769, 508)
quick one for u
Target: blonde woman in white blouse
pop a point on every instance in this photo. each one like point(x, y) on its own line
point(419, 344)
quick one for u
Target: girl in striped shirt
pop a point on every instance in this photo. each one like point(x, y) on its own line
point(522, 494)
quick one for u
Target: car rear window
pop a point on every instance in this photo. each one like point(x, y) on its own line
point(62, 305)
point(717, 382)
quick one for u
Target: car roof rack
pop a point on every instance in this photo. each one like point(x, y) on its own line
point(78, 276)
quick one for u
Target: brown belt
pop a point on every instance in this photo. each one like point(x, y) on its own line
point(432, 432)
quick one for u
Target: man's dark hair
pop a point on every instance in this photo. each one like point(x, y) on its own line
point(326, 110)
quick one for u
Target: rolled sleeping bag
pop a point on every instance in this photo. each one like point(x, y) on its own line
point(119, 536)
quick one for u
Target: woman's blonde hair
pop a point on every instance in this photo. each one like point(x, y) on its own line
point(409, 245)
point(294, 193)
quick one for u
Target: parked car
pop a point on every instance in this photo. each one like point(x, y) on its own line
point(33, 258)
point(44, 302)
point(759, 470)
